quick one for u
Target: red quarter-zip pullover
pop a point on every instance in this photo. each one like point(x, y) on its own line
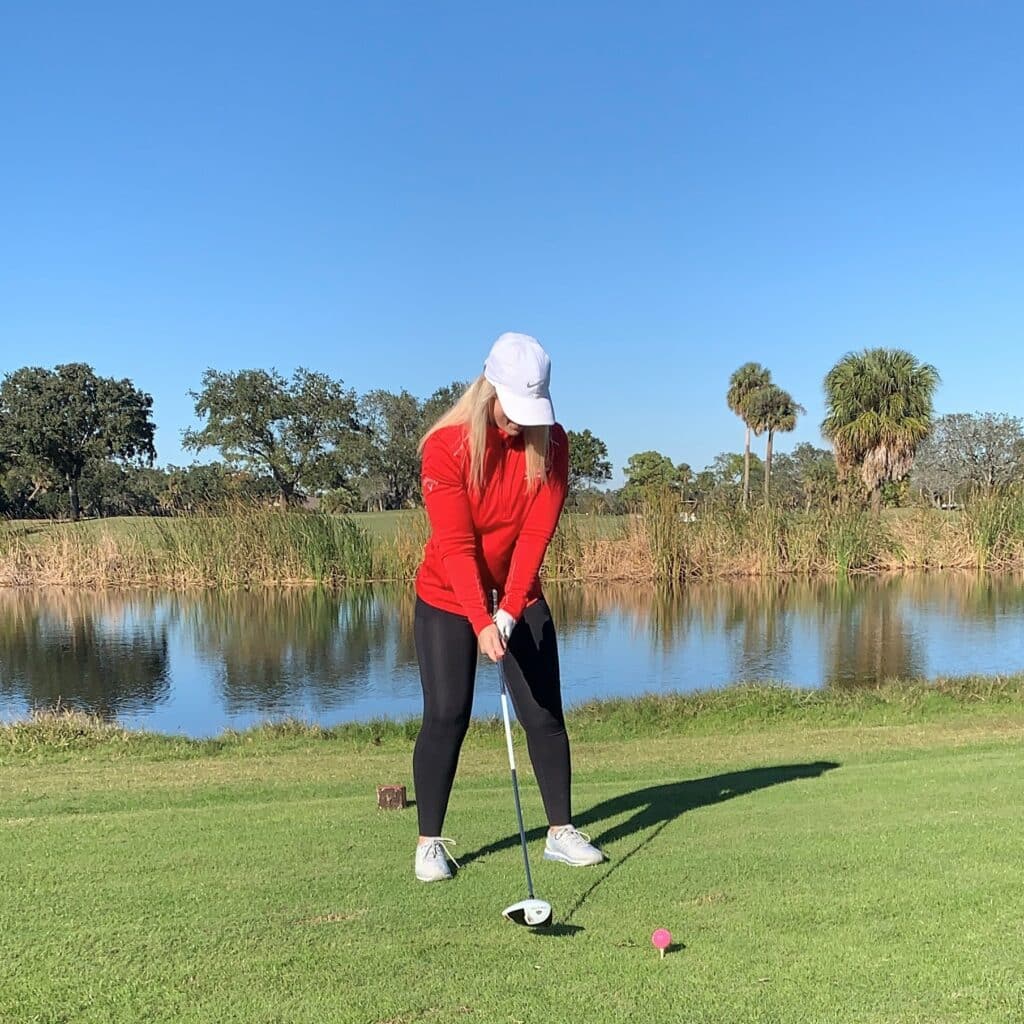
point(492, 539)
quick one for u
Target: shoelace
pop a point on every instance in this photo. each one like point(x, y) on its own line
point(573, 835)
point(439, 847)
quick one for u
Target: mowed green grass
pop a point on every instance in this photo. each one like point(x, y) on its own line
point(385, 526)
point(808, 872)
point(141, 528)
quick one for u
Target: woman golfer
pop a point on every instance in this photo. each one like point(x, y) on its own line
point(495, 471)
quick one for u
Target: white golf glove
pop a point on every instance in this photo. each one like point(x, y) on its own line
point(505, 623)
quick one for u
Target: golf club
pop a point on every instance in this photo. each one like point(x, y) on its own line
point(531, 912)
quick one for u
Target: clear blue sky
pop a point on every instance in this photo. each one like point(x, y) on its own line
point(659, 192)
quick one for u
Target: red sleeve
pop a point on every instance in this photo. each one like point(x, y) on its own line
point(539, 527)
point(451, 524)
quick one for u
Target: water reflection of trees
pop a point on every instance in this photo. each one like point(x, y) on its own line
point(755, 609)
point(976, 597)
point(868, 636)
point(103, 653)
point(862, 624)
point(757, 614)
point(873, 636)
point(271, 648)
point(656, 612)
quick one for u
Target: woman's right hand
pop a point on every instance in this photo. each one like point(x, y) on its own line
point(491, 642)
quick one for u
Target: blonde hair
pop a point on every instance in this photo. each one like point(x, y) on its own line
point(473, 411)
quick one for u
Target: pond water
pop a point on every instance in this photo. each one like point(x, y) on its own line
point(199, 662)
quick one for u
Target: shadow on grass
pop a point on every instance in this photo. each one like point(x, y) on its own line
point(658, 805)
point(655, 807)
point(558, 929)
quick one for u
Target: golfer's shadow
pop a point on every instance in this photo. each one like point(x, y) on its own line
point(657, 806)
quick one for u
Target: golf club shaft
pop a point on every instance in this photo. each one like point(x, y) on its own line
point(515, 781)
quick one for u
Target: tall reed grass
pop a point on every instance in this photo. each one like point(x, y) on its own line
point(669, 542)
point(994, 529)
point(665, 541)
point(236, 548)
point(662, 541)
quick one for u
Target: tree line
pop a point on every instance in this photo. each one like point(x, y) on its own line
point(73, 442)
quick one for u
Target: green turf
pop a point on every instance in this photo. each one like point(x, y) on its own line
point(385, 525)
point(809, 872)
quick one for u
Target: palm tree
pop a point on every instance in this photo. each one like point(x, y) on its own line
point(745, 382)
point(771, 409)
point(878, 410)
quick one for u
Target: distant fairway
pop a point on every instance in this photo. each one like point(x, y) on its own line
point(387, 524)
point(383, 525)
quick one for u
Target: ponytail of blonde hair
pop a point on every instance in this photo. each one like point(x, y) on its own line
point(473, 411)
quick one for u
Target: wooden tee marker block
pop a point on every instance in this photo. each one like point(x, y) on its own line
point(391, 798)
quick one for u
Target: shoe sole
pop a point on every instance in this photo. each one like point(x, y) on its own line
point(433, 878)
point(563, 859)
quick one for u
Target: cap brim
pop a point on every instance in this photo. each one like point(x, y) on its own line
point(527, 412)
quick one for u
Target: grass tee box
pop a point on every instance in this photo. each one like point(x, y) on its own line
point(853, 860)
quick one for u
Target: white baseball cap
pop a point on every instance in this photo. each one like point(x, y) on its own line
point(520, 371)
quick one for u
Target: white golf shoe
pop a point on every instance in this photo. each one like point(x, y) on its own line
point(570, 846)
point(432, 859)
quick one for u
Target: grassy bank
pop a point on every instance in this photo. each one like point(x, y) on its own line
point(828, 857)
point(250, 547)
point(61, 735)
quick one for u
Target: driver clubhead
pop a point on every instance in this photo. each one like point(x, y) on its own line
point(531, 913)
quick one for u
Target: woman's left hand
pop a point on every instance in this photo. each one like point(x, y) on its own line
point(505, 624)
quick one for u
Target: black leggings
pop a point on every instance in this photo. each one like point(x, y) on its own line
point(447, 650)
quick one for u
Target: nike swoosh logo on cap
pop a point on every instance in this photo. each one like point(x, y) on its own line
point(535, 383)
